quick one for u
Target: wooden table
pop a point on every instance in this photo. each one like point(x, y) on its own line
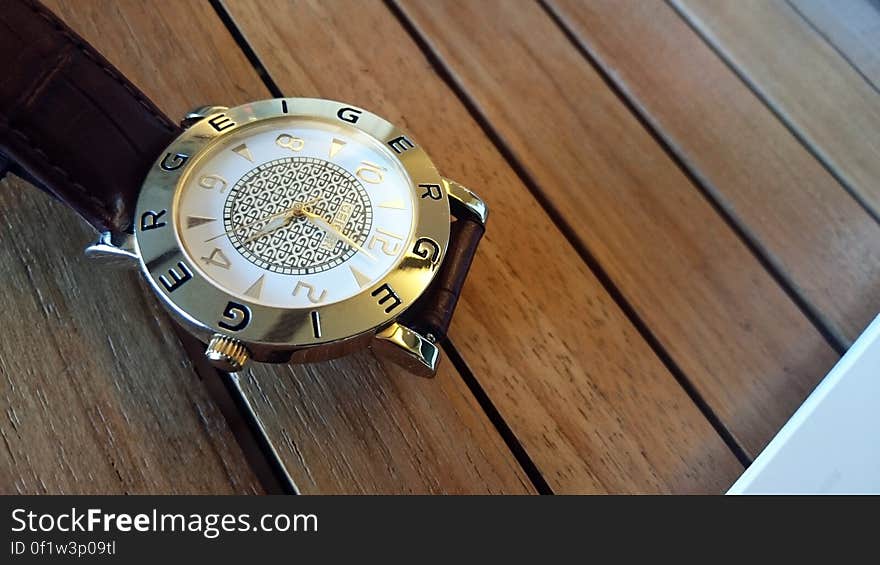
point(684, 239)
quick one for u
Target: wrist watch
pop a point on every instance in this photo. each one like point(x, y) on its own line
point(283, 230)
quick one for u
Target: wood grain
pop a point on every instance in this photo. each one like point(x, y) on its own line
point(96, 394)
point(747, 349)
point(358, 425)
point(824, 243)
point(852, 27)
point(586, 397)
point(353, 425)
point(806, 82)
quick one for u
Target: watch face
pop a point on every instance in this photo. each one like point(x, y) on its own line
point(295, 212)
point(291, 222)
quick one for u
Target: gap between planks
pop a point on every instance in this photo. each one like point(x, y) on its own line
point(837, 48)
point(448, 76)
point(829, 330)
point(777, 109)
point(280, 472)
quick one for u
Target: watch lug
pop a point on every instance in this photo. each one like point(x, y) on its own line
point(114, 250)
point(408, 348)
point(200, 113)
point(464, 201)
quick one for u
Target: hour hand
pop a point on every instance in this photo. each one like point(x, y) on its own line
point(273, 225)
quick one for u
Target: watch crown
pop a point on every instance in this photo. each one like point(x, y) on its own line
point(226, 353)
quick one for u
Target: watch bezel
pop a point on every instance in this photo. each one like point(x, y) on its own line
point(201, 304)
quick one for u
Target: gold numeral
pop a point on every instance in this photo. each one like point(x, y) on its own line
point(217, 258)
point(390, 245)
point(211, 181)
point(370, 172)
point(290, 142)
point(314, 298)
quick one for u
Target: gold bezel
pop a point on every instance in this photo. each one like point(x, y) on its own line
point(200, 304)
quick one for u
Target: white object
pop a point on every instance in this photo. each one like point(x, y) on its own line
point(832, 443)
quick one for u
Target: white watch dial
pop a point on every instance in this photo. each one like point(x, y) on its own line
point(295, 212)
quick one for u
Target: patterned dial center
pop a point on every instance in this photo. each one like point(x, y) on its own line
point(265, 198)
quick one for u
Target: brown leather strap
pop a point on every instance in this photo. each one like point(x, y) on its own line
point(432, 313)
point(70, 121)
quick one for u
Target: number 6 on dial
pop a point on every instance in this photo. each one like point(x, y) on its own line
point(211, 181)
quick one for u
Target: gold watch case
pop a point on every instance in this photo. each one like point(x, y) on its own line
point(271, 333)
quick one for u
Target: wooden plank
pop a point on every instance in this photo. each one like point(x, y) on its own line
point(806, 82)
point(353, 425)
point(96, 395)
point(358, 425)
point(823, 242)
point(852, 27)
point(737, 337)
point(586, 397)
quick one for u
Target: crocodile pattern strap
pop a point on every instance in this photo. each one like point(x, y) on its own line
point(70, 122)
point(432, 313)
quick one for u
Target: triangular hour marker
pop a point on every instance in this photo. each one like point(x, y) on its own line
point(362, 279)
point(193, 221)
point(256, 288)
point(335, 146)
point(393, 204)
point(243, 151)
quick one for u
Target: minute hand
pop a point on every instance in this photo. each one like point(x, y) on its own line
point(327, 226)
